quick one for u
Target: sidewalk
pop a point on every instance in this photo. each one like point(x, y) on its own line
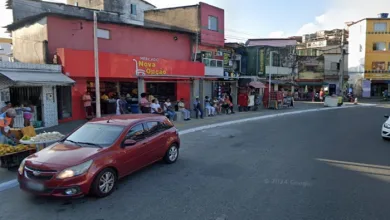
point(66, 128)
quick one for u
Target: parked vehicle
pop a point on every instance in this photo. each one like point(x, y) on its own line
point(92, 159)
point(386, 129)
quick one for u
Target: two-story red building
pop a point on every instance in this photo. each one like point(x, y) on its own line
point(133, 58)
point(208, 22)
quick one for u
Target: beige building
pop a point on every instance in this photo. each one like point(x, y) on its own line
point(5, 49)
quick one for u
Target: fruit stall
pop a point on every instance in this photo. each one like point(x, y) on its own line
point(11, 155)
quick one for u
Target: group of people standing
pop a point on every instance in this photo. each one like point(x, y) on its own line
point(7, 116)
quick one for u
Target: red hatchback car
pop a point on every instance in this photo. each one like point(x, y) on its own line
point(91, 159)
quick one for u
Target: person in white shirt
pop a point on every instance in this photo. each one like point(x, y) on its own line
point(120, 105)
point(210, 109)
point(182, 109)
point(168, 109)
point(156, 108)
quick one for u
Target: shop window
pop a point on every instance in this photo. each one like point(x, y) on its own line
point(129, 89)
point(219, 63)
point(206, 61)
point(380, 27)
point(379, 46)
point(213, 23)
point(311, 68)
point(103, 34)
point(133, 9)
point(379, 66)
point(162, 91)
point(108, 88)
point(213, 63)
point(64, 102)
point(334, 66)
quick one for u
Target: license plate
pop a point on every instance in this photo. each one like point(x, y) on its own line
point(35, 186)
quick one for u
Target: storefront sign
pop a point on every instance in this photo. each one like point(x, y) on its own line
point(81, 64)
point(148, 66)
point(377, 76)
point(262, 61)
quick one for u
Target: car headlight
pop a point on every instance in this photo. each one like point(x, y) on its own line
point(75, 171)
point(386, 125)
point(21, 167)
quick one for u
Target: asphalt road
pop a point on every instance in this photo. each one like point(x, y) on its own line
point(322, 165)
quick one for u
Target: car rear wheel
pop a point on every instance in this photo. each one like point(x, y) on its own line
point(104, 183)
point(172, 154)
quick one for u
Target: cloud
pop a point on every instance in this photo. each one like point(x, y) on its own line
point(276, 34)
point(341, 11)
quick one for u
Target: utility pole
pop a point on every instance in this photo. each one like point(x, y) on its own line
point(341, 76)
point(96, 57)
point(196, 46)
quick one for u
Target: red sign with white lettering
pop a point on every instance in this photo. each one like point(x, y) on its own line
point(77, 63)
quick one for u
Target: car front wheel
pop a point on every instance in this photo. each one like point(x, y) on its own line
point(104, 183)
point(172, 154)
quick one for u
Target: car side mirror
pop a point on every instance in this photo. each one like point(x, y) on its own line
point(386, 116)
point(129, 142)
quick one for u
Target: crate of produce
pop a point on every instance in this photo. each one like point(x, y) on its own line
point(12, 156)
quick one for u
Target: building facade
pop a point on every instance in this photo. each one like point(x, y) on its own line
point(164, 55)
point(369, 56)
point(118, 11)
point(208, 22)
point(132, 9)
point(316, 44)
point(271, 56)
point(5, 49)
point(33, 84)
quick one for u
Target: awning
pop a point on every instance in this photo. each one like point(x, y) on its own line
point(257, 85)
point(31, 78)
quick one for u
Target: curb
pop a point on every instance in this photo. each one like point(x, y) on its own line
point(14, 183)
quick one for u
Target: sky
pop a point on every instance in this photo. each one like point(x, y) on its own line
point(263, 18)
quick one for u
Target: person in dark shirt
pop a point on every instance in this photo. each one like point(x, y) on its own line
point(231, 101)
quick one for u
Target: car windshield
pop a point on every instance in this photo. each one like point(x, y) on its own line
point(100, 135)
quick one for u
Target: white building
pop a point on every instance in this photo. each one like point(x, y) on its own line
point(5, 49)
point(332, 69)
point(37, 84)
point(357, 55)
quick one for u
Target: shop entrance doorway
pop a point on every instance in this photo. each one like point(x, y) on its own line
point(25, 96)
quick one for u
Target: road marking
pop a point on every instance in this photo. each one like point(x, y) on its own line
point(8, 185)
point(13, 183)
point(192, 130)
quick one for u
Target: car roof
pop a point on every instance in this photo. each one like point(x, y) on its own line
point(126, 120)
